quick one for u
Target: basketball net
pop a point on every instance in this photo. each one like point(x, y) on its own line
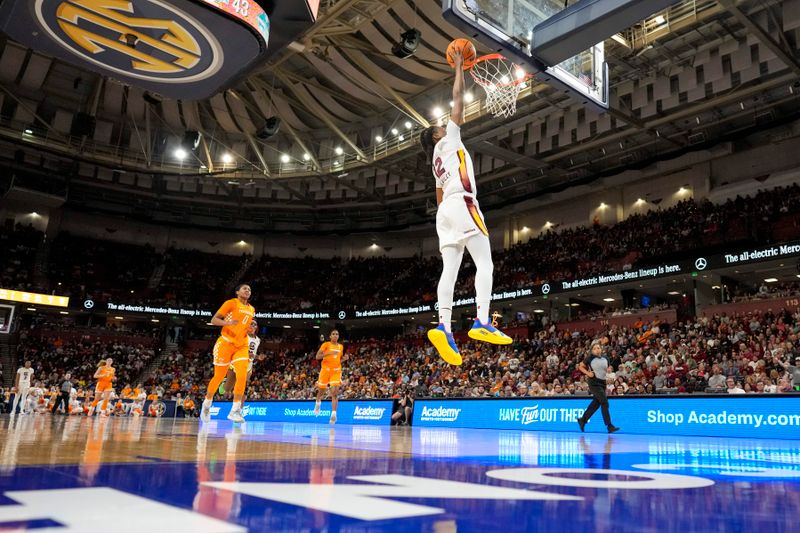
point(502, 81)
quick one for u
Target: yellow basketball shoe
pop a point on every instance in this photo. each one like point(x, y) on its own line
point(488, 333)
point(445, 345)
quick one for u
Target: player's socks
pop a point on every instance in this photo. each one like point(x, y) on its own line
point(488, 333)
point(445, 344)
point(333, 417)
point(317, 407)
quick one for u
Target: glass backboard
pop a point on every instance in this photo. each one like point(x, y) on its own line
point(508, 26)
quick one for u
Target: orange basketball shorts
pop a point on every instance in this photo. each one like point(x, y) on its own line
point(329, 377)
point(226, 352)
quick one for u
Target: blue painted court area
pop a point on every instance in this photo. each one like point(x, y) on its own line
point(125, 475)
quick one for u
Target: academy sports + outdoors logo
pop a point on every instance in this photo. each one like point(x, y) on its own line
point(368, 413)
point(439, 414)
point(149, 39)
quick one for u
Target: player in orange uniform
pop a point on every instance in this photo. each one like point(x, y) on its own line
point(104, 376)
point(330, 375)
point(231, 348)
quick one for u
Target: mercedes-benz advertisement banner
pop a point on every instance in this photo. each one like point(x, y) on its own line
point(776, 417)
point(372, 413)
point(697, 263)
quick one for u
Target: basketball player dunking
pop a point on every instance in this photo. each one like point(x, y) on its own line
point(459, 224)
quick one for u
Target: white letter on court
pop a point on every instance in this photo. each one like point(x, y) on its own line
point(550, 476)
point(368, 502)
point(112, 510)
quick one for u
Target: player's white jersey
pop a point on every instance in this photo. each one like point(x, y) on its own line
point(452, 165)
point(25, 376)
point(255, 342)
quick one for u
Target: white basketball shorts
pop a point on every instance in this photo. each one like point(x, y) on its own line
point(458, 218)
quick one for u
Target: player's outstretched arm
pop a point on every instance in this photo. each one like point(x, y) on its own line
point(457, 115)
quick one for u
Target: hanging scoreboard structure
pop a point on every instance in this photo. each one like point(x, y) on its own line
point(182, 49)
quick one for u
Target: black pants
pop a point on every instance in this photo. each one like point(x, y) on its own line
point(598, 391)
point(63, 399)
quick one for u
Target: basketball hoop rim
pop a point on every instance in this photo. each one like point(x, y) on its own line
point(495, 56)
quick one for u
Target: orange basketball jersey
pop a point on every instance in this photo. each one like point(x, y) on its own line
point(106, 374)
point(233, 309)
point(333, 354)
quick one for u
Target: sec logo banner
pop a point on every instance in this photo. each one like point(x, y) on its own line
point(148, 40)
point(181, 49)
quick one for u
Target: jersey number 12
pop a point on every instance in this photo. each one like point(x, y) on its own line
point(438, 168)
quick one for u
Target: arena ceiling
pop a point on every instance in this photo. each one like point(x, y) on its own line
point(346, 158)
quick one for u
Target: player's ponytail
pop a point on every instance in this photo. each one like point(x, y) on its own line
point(426, 140)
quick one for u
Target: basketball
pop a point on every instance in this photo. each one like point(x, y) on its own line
point(467, 50)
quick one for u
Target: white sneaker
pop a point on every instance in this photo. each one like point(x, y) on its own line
point(316, 408)
point(236, 416)
point(205, 414)
point(333, 418)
